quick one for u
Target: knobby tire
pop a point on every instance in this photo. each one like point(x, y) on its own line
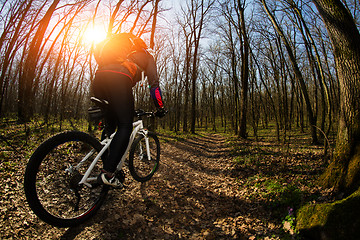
point(53, 193)
point(140, 167)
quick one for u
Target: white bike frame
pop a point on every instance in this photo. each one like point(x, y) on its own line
point(138, 128)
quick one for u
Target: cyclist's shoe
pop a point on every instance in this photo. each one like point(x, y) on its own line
point(110, 179)
point(120, 175)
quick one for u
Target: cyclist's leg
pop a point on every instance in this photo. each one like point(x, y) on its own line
point(117, 89)
point(122, 105)
point(110, 125)
point(118, 146)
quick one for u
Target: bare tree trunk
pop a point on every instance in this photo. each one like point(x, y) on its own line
point(186, 84)
point(197, 33)
point(319, 68)
point(235, 80)
point(234, 14)
point(26, 79)
point(8, 57)
point(153, 27)
point(138, 17)
point(244, 70)
point(344, 170)
point(113, 16)
point(298, 75)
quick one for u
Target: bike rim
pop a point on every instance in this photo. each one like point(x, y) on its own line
point(142, 165)
point(57, 180)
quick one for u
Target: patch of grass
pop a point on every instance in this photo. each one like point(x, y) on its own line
point(281, 196)
point(255, 178)
point(167, 135)
point(277, 194)
point(248, 160)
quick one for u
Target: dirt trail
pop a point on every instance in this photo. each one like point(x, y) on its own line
point(192, 196)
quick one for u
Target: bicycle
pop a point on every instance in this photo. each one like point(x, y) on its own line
point(60, 180)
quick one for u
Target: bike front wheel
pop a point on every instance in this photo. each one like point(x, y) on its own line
point(144, 157)
point(52, 179)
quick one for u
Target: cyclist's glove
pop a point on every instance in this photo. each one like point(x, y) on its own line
point(160, 112)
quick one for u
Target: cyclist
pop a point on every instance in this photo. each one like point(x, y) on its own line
point(122, 58)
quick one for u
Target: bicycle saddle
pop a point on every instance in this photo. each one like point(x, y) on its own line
point(99, 102)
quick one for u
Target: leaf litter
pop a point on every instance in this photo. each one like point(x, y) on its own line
point(207, 187)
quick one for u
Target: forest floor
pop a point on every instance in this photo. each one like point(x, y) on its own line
point(208, 186)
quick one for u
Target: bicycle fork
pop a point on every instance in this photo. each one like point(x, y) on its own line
point(144, 132)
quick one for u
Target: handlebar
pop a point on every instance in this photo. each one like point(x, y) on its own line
point(141, 113)
point(159, 113)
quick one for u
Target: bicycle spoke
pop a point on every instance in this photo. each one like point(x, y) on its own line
point(58, 186)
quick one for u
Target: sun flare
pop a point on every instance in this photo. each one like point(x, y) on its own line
point(94, 35)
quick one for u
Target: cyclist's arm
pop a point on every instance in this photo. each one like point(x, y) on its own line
point(146, 61)
point(155, 93)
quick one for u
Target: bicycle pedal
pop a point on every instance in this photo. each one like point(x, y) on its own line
point(120, 175)
point(95, 185)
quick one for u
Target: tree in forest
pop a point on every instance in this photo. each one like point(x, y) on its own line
point(11, 31)
point(340, 220)
point(198, 26)
point(240, 27)
point(315, 63)
point(193, 27)
point(26, 78)
point(297, 72)
point(344, 170)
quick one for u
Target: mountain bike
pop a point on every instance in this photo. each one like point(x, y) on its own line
point(60, 180)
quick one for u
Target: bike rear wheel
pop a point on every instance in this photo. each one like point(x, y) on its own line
point(141, 167)
point(52, 176)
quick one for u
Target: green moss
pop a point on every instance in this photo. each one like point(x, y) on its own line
point(343, 173)
point(332, 176)
point(353, 173)
point(313, 215)
point(343, 149)
point(337, 220)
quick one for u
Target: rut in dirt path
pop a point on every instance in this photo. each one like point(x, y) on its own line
point(196, 194)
